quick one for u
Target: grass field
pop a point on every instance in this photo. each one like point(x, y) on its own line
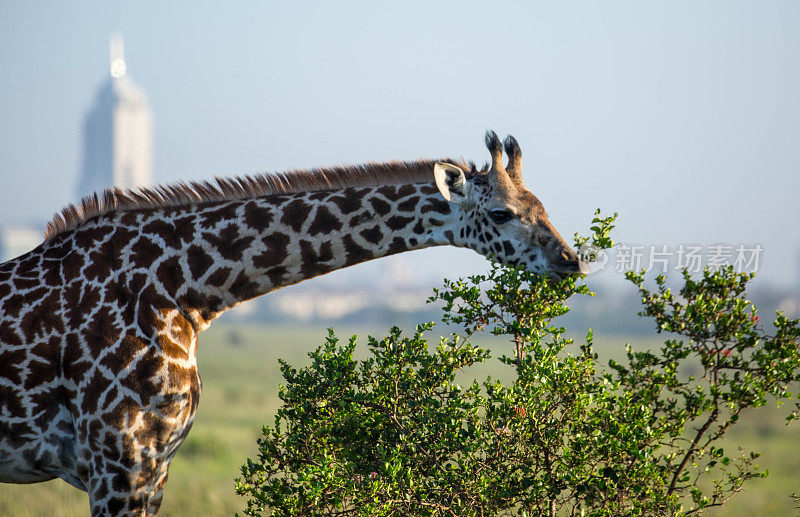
point(240, 375)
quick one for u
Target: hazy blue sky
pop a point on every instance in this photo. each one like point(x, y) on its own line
point(682, 116)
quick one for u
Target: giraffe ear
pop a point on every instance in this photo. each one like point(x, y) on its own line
point(452, 182)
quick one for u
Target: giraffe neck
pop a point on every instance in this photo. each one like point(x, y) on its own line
point(243, 249)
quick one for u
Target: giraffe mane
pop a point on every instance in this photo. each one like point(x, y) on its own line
point(244, 187)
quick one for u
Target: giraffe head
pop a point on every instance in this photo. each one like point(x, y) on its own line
point(497, 215)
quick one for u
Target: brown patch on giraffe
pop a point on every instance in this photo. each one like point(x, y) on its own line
point(110, 450)
point(276, 275)
point(307, 252)
point(380, 206)
point(117, 417)
point(440, 206)
point(219, 276)
point(144, 251)
point(51, 270)
point(324, 222)
point(120, 482)
point(430, 189)
point(125, 353)
point(8, 335)
point(406, 190)
point(172, 230)
point(55, 248)
point(191, 299)
point(144, 378)
point(34, 295)
point(199, 261)
point(398, 222)
point(174, 405)
point(119, 296)
point(26, 283)
point(7, 268)
point(312, 270)
point(354, 252)
point(126, 460)
point(43, 357)
point(113, 506)
point(87, 237)
point(172, 348)
point(12, 365)
point(72, 264)
point(44, 317)
point(11, 404)
point(170, 274)
point(398, 245)
point(257, 217)
point(372, 235)
point(409, 205)
point(74, 362)
point(150, 301)
point(12, 305)
point(182, 329)
point(154, 431)
point(275, 253)
point(132, 218)
point(347, 202)
point(243, 288)
point(225, 212)
point(229, 242)
point(318, 196)
point(77, 296)
point(325, 252)
point(178, 376)
point(111, 394)
point(359, 219)
point(29, 267)
point(312, 263)
point(43, 404)
point(215, 306)
point(101, 332)
point(184, 227)
point(388, 191)
point(97, 384)
point(104, 260)
point(94, 430)
point(295, 213)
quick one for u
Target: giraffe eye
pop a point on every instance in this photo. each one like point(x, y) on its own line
point(500, 216)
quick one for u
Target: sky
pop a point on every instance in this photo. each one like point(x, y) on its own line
point(684, 117)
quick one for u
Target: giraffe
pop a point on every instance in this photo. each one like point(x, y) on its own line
point(99, 324)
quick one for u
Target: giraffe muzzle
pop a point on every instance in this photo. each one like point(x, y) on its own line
point(569, 263)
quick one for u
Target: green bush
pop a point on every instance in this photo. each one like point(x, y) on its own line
point(395, 435)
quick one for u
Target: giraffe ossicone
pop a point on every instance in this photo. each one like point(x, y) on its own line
point(99, 324)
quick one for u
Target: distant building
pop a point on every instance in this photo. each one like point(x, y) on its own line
point(117, 132)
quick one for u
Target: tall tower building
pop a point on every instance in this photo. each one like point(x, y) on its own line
point(117, 132)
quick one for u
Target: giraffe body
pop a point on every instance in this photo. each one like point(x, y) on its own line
point(99, 324)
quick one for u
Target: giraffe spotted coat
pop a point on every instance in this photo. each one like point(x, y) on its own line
point(99, 324)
